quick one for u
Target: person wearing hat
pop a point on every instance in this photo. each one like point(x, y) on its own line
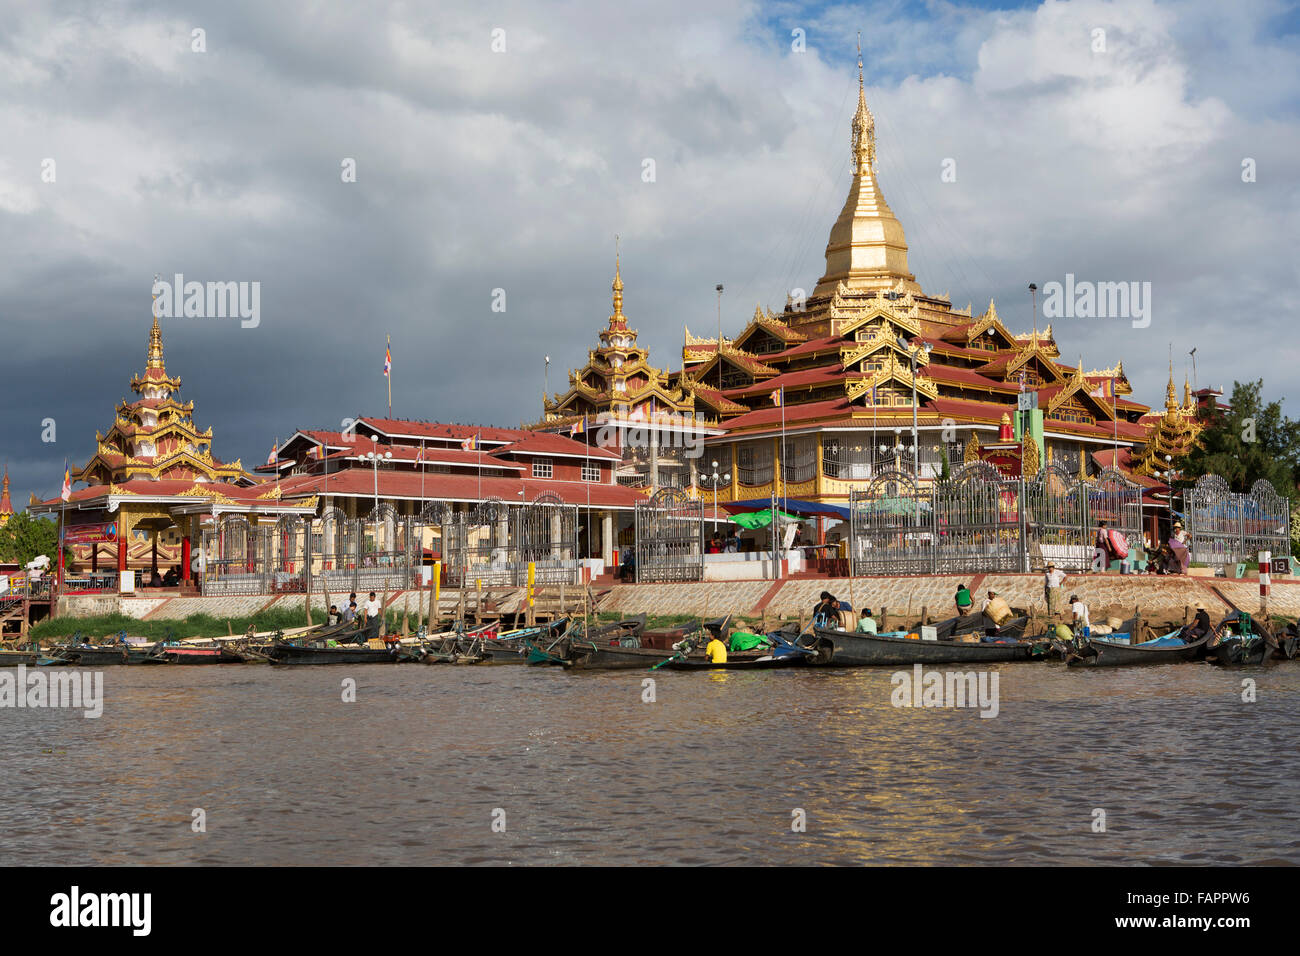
point(866, 623)
point(1201, 624)
point(1079, 616)
point(1052, 581)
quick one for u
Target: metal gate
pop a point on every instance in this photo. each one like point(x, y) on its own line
point(290, 550)
point(1118, 502)
point(670, 537)
point(546, 534)
point(477, 546)
point(1226, 527)
point(891, 527)
point(1265, 522)
point(235, 558)
point(977, 521)
point(1056, 521)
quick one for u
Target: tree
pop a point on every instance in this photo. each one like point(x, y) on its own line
point(1248, 441)
point(24, 537)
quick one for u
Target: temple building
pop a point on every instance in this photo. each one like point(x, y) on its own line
point(142, 499)
point(647, 416)
point(870, 376)
point(409, 465)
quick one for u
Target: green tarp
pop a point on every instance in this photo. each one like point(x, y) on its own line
point(760, 519)
point(745, 641)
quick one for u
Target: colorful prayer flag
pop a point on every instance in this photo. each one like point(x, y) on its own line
point(578, 427)
point(776, 395)
point(388, 359)
point(471, 444)
point(66, 493)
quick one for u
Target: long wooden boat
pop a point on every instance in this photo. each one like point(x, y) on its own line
point(8, 657)
point(1251, 649)
point(288, 653)
point(836, 648)
point(87, 655)
point(192, 654)
point(604, 647)
point(1102, 653)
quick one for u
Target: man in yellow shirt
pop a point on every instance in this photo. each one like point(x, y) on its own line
point(716, 651)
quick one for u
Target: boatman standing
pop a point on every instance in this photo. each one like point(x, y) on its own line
point(1052, 581)
point(1079, 616)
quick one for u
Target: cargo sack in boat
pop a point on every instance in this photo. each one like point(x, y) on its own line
point(375, 644)
point(998, 611)
point(1064, 633)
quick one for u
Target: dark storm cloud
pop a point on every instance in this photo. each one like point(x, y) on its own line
point(479, 171)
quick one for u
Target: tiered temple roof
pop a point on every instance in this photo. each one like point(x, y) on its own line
point(6, 506)
point(618, 381)
point(154, 436)
point(1172, 435)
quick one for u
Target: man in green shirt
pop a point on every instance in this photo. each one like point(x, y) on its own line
point(866, 623)
point(964, 601)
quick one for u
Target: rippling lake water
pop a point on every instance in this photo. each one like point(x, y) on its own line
point(587, 773)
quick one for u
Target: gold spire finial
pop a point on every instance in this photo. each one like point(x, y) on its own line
point(1171, 404)
point(864, 124)
point(617, 287)
point(155, 333)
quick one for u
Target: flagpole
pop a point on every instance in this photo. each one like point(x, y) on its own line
point(389, 376)
point(586, 466)
point(422, 470)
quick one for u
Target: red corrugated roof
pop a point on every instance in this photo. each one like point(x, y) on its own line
point(360, 482)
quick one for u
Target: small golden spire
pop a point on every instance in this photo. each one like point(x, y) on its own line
point(864, 124)
point(617, 287)
point(155, 334)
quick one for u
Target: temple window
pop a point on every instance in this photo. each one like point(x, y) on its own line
point(591, 472)
point(543, 468)
point(754, 464)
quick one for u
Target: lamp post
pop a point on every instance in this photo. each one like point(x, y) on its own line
point(375, 459)
point(716, 479)
point(718, 288)
point(912, 350)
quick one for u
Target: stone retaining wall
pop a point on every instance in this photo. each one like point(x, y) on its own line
point(1158, 598)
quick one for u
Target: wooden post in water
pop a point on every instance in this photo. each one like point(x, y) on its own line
point(884, 619)
point(229, 632)
point(925, 614)
point(478, 601)
point(406, 612)
point(306, 603)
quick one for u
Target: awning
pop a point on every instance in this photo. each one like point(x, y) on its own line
point(804, 509)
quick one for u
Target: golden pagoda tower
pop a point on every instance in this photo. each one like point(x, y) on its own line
point(867, 248)
point(1174, 435)
point(6, 506)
